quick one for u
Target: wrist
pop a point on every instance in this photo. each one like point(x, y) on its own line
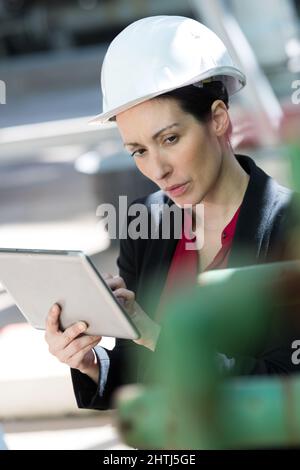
point(148, 328)
point(151, 342)
point(93, 369)
point(92, 372)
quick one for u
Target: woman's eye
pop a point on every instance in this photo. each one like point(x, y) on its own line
point(138, 153)
point(171, 139)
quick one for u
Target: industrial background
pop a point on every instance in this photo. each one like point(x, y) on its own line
point(55, 169)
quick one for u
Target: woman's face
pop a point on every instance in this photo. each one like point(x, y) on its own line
point(172, 148)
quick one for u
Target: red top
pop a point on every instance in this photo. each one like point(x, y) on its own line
point(184, 266)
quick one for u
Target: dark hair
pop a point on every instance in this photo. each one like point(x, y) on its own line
point(197, 100)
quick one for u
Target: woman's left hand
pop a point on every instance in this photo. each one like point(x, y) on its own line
point(149, 330)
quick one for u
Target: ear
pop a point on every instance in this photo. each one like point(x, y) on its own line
point(220, 119)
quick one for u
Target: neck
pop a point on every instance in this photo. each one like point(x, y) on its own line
point(225, 197)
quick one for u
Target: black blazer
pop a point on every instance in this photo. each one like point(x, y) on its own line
point(264, 218)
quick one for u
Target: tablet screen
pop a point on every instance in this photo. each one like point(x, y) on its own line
point(36, 279)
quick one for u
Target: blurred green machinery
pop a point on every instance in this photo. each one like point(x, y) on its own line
point(194, 402)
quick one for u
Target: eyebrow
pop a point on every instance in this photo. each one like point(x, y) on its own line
point(134, 144)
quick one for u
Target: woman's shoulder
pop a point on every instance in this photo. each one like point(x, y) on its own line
point(263, 188)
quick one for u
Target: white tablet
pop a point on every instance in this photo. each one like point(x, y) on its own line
point(36, 279)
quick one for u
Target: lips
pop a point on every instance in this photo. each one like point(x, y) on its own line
point(175, 186)
point(177, 189)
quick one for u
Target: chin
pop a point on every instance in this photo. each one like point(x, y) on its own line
point(188, 201)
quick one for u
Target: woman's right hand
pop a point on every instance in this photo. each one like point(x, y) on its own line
point(71, 346)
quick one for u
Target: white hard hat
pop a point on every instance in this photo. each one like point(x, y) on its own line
point(158, 54)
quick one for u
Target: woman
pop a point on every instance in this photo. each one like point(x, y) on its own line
point(166, 82)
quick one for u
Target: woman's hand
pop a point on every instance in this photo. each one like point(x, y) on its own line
point(149, 330)
point(72, 347)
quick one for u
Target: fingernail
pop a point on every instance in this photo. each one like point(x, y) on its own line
point(82, 326)
point(54, 308)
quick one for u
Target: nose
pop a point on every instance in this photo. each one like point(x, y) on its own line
point(160, 167)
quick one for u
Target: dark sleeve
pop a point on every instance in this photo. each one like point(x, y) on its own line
point(122, 371)
point(273, 362)
point(276, 358)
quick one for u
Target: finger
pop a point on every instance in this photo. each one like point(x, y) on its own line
point(77, 359)
point(77, 346)
point(120, 279)
point(124, 294)
point(116, 283)
point(107, 276)
point(71, 333)
point(52, 321)
point(126, 298)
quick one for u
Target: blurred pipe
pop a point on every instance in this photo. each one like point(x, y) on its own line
point(276, 24)
point(258, 93)
point(18, 142)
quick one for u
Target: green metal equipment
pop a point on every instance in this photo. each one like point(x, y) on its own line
point(194, 401)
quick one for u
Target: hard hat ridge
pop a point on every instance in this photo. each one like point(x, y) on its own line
point(158, 54)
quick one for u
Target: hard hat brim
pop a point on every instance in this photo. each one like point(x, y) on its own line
point(233, 79)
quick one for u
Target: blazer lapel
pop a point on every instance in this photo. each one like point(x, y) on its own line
point(250, 241)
